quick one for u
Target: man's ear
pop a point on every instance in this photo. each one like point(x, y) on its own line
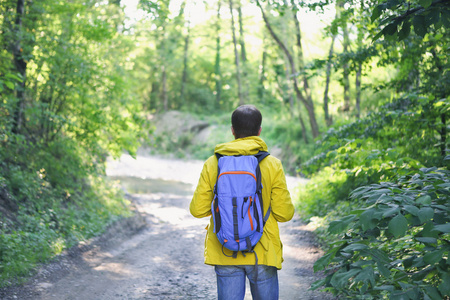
point(259, 132)
point(232, 131)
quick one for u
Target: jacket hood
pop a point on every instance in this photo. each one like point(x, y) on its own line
point(244, 146)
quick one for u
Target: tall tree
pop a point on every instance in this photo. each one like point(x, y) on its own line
point(328, 117)
point(159, 13)
point(185, 63)
point(359, 62)
point(245, 90)
point(236, 56)
point(185, 55)
point(164, 95)
point(262, 72)
point(333, 29)
point(20, 64)
point(217, 69)
point(308, 104)
point(346, 46)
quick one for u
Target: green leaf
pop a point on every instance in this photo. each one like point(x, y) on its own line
point(407, 263)
point(359, 191)
point(340, 225)
point(390, 211)
point(425, 214)
point(10, 85)
point(425, 3)
point(377, 36)
point(399, 295)
point(383, 270)
point(389, 288)
point(323, 261)
point(355, 247)
point(379, 255)
point(433, 257)
point(382, 191)
point(425, 200)
point(413, 210)
point(429, 231)
point(432, 17)
point(390, 30)
point(405, 31)
point(445, 228)
point(341, 277)
point(366, 219)
point(398, 226)
point(392, 3)
point(419, 25)
point(376, 12)
point(444, 287)
point(427, 240)
point(433, 292)
point(317, 284)
point(367, 274)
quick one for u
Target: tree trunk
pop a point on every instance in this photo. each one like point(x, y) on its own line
point(243, 55)
point(359, 67)
point(308, 105)
point(302, 124)
point(164, 88)
point(217, 69)
point(358, 89)
point(345, 67)
point(21, 67)
point(185, 64)
point(301, 59)
point(241, 35)
point(292, 108)
point(236, 56)
point(443, 135)
point(262, 73)
point(153, 102)
point(298, 35)
point(328, 117)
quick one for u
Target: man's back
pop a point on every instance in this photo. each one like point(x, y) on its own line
point(261, 268)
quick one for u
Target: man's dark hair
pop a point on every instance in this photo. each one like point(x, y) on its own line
point(246, 121)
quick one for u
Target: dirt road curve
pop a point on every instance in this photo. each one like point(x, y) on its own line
point(165, 259)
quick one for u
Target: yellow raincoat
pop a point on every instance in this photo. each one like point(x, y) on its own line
point(275, 193)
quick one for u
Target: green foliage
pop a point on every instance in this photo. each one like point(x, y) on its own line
point(76, 107)
point(412, 126)
point(399, 17)
point(60, 198)
point(396, 246)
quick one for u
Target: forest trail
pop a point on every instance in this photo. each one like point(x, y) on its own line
point(165, 260)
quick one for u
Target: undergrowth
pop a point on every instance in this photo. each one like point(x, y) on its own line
point(379, 196)
point(52, 198)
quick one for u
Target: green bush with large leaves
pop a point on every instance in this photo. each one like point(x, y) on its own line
point(398, 245)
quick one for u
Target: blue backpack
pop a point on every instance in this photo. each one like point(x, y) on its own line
point(238, 205)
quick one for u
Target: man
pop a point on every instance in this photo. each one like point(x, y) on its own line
point(232, 272)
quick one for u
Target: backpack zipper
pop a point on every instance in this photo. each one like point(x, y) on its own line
point(238, 172)
point(249, 215)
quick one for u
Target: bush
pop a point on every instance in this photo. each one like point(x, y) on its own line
point(54, 198)
point(397, 246)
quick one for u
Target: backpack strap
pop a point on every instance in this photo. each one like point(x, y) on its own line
point(260, 156)
point(218, 170)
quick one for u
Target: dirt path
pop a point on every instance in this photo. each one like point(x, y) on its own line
point(164, 260)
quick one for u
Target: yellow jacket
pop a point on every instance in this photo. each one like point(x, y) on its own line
point(275, 193)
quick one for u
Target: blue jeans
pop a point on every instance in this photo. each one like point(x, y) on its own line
point(231, 282)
